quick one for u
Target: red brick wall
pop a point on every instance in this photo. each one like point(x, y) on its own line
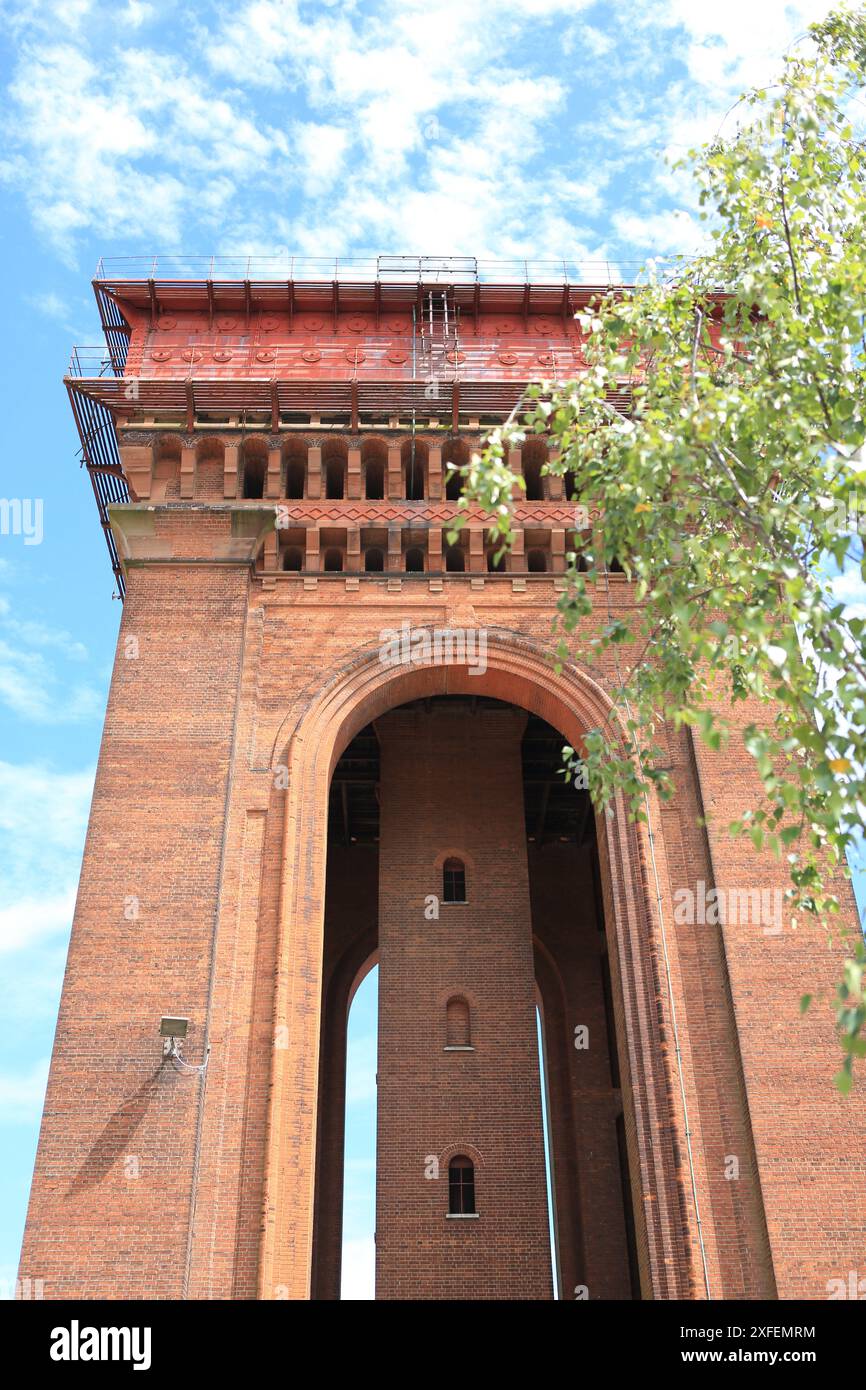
point(113, 1182)
point(187, 818)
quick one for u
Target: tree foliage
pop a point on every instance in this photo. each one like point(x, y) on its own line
point(732, 489)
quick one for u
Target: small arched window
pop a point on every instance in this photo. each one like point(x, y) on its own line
point(495, 561)
point(333, 560)
point(415, 561)
point(457, 1029)
point(454, 562)
point(374, 480)
point(374, 560)
point(454, 881)
point(292, 558)
point(569, 486)
point(461, 1186)
point(453, 484)
point(536, 562)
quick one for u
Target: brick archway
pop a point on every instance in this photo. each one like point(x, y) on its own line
point(309, 742)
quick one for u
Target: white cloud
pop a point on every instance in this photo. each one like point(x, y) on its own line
point(30, 683)
point(31, 687)
point(43, 818)
point(359, 1269)
point(849, 588)
point(500, 128)
point(49, 304)
point(22, 1094)
point(29, 919)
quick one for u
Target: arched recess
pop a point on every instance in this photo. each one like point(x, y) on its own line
point(309, 742)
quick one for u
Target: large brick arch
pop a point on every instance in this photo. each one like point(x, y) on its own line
point(309, 742)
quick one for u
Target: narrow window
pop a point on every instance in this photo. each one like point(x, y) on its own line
point(254, 478)
point(536, 562)
point(461, 1186)
point(374, 560)
point(333, 561)
point(292, 559)
point(495, 561)
point(334, 477)
point(533, 480)
point(457, 1029)
point(453, 484)
point(374, 480)
point(415, 561)
point(454, 562)
point(414, 479)
point(295, 475)
point(453, 881)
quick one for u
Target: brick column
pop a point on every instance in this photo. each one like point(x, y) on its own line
point(452, 784)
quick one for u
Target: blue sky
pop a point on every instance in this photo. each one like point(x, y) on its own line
point(524, 128)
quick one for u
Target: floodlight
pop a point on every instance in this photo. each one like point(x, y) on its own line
point(173, 1027)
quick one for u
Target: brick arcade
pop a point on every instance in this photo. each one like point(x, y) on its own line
point(277, 809)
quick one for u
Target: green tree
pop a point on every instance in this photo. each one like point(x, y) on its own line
point(732, 487)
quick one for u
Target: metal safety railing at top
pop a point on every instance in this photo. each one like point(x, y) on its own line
point(399, 269)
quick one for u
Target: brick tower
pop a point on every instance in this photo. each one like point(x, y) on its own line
point(331, 741)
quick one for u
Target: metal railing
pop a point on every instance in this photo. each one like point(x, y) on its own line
point(398, 269)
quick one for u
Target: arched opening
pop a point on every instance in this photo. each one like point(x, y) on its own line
point(210, 470)
point(374, 560)
point(414, 462)
point(461, 1186)
point(333, 560)
point(458, 1030)
point(334, 462)
point(495, 560)
point(166, 471)
point(311, 740)
point(293, 558)
point(454, 560)
point(455, 452)
point(296, 474)
point(358, 1244)
point(254, 467)
point(552, 833)
point(533, 459)
point(454, 881)
point(374, 480)
point(414, 560)
point(536, 562)
point(373, 463)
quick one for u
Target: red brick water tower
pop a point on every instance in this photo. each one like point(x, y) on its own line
point(333, 740)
